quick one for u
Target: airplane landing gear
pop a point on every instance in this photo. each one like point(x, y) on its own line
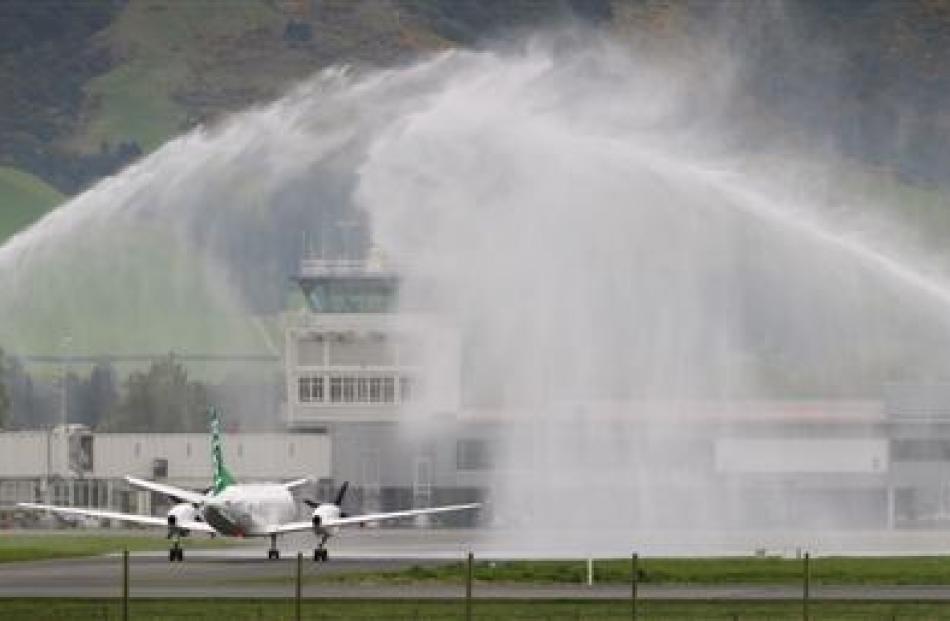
point(273, 554)
point(320, 552)
point(176, 553)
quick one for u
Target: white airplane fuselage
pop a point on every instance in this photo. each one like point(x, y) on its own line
point(247, 510)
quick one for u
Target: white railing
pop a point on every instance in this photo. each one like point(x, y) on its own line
point(323, 267)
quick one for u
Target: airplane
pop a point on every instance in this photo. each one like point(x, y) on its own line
point(233, 509)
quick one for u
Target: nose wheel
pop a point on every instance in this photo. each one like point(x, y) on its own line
point(320, 553)
point(176, 553)
point(273, 554)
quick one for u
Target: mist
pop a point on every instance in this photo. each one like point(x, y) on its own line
point(636, 269)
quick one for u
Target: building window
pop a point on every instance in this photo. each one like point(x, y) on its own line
point(349, 389)
point(138, 449)
point(336, 389)
point(310, 389)
point(473, 454)
point(375, 389)
point(920, 450)
point(188, 449)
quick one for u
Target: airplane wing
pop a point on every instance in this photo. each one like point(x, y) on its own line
point(296, 483)
point(145, 520)
point(183, 495)
point(357, 520)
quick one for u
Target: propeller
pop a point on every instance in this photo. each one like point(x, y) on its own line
point(338, 501)
point(339, 495)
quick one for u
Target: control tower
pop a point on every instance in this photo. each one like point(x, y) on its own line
point(356, 368)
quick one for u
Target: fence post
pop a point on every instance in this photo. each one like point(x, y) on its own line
point(590, 571)
point(634, 578)
point(468, 587)
point(298, 586)
point(125, 584)
point(806, 577)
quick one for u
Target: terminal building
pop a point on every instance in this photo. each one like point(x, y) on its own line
point(357, 370)
point(84, 469)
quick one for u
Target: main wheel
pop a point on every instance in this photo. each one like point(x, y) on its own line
point(172, 555)
point(273, 555)
point(324, 555)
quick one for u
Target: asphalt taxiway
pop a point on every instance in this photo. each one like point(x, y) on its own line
point(233, 577)
point(244, 571)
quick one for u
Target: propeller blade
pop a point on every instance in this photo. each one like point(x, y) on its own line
point(313, 504)
point(339, 496)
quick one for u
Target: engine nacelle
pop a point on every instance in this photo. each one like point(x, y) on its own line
point(323, 514)
point(182, 514)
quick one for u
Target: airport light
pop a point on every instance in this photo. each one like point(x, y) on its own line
point(64, 403)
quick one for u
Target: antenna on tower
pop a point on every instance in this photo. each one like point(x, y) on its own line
point(347, 226)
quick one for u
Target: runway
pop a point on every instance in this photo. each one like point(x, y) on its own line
point(244, 572)
point(152, 577)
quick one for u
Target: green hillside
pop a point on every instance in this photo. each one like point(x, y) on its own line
point(167, 48)
point(24, 199)
point(184, 63)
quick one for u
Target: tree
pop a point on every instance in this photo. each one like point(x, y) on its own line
point(162, 399)
point(96, 397)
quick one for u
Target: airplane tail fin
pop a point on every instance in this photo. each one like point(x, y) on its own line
point(222, 478)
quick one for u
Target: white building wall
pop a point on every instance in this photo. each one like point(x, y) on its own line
point(800, 456)
point(24, 453)
point(423, 348)
point(250, 456)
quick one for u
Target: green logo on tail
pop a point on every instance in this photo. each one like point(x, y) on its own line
point(222, 478)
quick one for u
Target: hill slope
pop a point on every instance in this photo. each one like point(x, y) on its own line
point(24, 199)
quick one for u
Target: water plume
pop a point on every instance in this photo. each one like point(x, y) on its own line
point(629, 288)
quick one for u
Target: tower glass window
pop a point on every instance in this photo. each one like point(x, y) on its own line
point(352, 294)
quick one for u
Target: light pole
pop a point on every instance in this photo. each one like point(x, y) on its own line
point(64, 343)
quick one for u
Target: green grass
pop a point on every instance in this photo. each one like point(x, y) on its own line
point(234, 610)
point(17, 547)
point(24, 199)
point(167, 47)
point(161, 296)
point(745, 570)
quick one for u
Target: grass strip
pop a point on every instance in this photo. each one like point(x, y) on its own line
point(16, 609)
point(922, 570)
point(18, 547)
